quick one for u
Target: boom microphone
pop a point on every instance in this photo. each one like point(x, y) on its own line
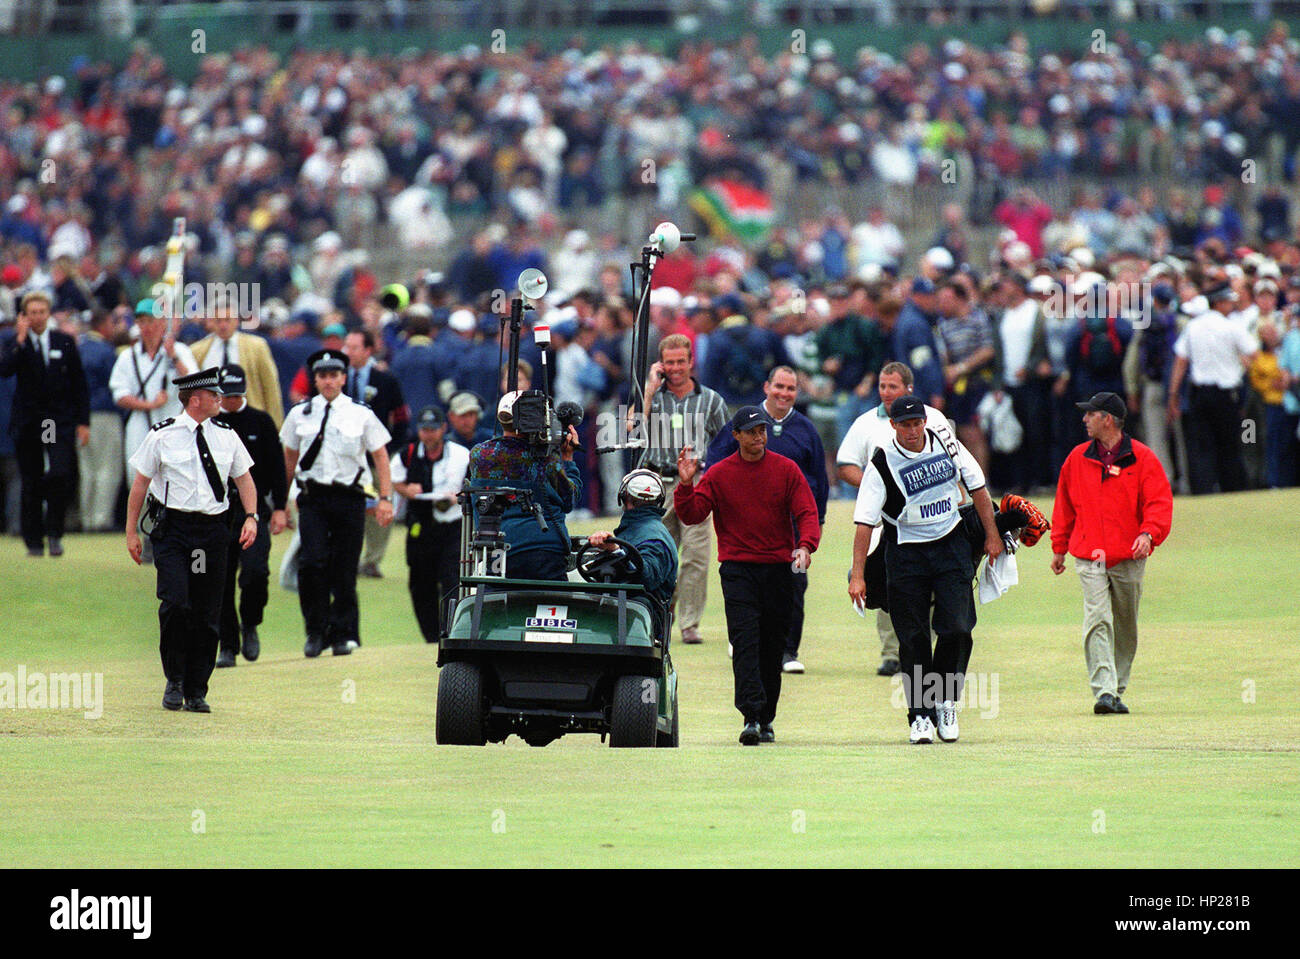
point(569, 414)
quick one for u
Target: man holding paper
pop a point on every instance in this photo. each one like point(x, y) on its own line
point(429, 473)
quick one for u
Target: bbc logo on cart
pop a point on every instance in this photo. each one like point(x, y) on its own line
point(551, 617)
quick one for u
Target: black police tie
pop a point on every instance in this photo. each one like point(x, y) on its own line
point(209, 465)
point(309, 457)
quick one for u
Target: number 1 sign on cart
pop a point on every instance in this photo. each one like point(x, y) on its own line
point(554, 617)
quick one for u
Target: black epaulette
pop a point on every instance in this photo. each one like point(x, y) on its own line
point(224, 426)
point(167, 422)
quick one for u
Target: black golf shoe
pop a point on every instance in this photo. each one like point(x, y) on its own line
point(197, 704)
point(1105, 705)
point(252, 646)
point(766, 733)
point(225, 658)
point(750, 735)
point(173, 699)
point(314, 647)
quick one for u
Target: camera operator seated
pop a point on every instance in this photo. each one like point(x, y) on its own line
point(642, 526)
point(512, 460)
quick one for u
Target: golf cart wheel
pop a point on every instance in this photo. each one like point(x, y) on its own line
point(632, 719)
point(460, 706)
point(673, 739)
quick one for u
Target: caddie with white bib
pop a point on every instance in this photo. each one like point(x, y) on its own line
point(913, 485)
point(326, 439)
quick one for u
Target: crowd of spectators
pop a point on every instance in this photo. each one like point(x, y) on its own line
point(289, 172)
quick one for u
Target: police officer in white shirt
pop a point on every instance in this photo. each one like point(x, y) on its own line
point(869, 431)
point(430, 473)
point(184, 464)
point(326, 439)
point(1214, 351)
point(912, 483)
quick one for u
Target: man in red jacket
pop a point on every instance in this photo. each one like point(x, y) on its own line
point(753, 496)
point(1113, 507)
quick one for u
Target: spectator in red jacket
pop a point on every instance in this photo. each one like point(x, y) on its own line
point(1113, 507)
point(1025, 215)
point(753, 496)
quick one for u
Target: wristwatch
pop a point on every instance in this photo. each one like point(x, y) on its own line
point(386, 499)
point(252, 516)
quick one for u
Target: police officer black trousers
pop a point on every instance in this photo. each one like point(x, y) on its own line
point(919, 573)
point(1213, 426)
point(434, 560)
point(332, 524)
point(758, 598)
point(190, 555)
point(252, 569)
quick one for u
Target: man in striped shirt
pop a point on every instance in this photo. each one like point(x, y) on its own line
point(679, 412)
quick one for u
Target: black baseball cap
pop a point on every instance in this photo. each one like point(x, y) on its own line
point(747, 417)
point(1105, 402)
point(907, 407)
point(430, 418)
point(1220, 291)
point(233, 380)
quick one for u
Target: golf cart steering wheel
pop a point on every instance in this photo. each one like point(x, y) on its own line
point(610, 566)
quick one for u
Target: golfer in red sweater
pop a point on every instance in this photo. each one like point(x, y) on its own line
point(757, 500)
point(1113, 507)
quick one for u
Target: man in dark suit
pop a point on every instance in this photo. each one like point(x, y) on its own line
point(51, 416)
point(379, 390)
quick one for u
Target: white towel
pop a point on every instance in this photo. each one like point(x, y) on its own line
point(999, 575)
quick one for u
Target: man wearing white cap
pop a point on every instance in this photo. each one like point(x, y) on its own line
point(464, 414)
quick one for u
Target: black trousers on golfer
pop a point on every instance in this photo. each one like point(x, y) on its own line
point(253, 570)
point(46, 492)
point(433, 555)
point(795, 636)
point(332, 525)
point(189, 551)
point(758, 598)
point(921, 574)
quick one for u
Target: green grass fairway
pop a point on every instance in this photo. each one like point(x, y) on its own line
point(332, 762)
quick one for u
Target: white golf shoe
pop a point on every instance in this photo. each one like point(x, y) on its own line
point(947, 721)
point(922, 731)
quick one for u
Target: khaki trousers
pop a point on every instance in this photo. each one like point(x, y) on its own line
point(376, 542)
point(1110, 610)
point(693, 568)
point(100, 466)
point(888, 638)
